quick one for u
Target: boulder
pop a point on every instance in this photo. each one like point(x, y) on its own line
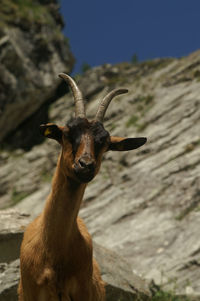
point(32, 53)
point(121, 282)
point(9, 278)
point(12, 226)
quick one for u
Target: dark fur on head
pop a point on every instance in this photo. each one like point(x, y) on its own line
point(79, 126)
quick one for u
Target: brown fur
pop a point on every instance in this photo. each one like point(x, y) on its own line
point(56, 257)
point(56, 252)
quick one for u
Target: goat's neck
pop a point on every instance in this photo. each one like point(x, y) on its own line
point(61, 211)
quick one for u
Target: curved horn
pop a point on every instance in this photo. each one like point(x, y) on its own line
point(78, 98)
point(105, 103)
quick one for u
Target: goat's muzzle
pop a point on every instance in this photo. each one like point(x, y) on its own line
point(84, 169)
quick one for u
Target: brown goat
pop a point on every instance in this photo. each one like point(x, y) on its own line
point(56, 257)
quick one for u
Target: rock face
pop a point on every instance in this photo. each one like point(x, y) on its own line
point(121, 283)
point(143, 204)
point(9, 279)
point(12, 226)
point(32, 52)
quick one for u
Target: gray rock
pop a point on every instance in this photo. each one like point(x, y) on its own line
point(144, 205)
point(9, 278)
point(121, 282)
point(12, 226)
point(32, 53)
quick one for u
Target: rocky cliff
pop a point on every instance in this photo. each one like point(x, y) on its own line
point(32, 52)
point(144, 204)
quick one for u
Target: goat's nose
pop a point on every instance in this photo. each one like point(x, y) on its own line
point(84, 163)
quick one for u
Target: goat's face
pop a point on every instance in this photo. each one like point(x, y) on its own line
point(83, 142)
point(83, 145)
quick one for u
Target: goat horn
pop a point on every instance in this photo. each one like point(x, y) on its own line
point(78, 98)
point(105, 103)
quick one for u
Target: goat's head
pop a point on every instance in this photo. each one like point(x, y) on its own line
point(84, 142)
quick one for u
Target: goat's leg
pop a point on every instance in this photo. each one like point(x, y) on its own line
point(97, 291)
point(89, 290)
point(98, 285)
point(48, 294)
point(38, 293)
point(92, 291)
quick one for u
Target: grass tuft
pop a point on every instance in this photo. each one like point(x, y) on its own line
point(18, 196)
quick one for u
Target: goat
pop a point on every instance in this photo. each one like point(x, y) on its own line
point(56, 256)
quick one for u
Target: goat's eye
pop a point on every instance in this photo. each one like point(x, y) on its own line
point(99, 142)
point(101, 139)
point(70, 138)
point(74, 139)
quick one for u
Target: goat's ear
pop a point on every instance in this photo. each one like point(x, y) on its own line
point(52, 131)
point(125, 144)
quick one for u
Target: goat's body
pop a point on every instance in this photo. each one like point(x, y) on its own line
point(56, 253)
point(73, 276)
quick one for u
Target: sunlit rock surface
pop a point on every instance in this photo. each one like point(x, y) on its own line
point(144, 204)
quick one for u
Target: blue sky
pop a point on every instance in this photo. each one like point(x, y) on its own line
point(111, 31)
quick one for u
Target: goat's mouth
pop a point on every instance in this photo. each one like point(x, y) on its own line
point(84, 175)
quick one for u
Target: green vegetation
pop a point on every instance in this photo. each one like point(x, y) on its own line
point(17, 196)
point(46, 177)
point(112, 126)
point(116, 79)
point(132, 121)
point(77, 77)
point(134, 59)
point(167, 296)
point(142, 126)
point(196, 75)
point(191, 146)
point(144, 103)
point(85, 67)
point(146, 99)
point(24, 13)
point(159, 294)
point(156, 64)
